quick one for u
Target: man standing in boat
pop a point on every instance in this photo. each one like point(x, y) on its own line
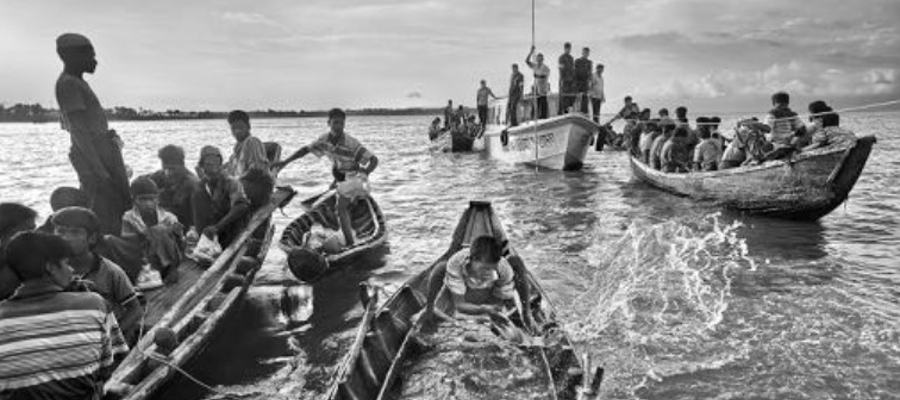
point(448, 114)
point(516, 87)
point(352, 164)
point(598, 97)
point(541, 86)
point(566, 79)
point(481, 99)
point(583, 72)
point(96, 152)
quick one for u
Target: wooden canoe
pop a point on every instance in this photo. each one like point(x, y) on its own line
point(366, 219)
point(193, 307)
point(387, 335)
point(452, 140)
point(805, 187)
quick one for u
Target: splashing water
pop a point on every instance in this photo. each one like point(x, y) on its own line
point(654, 293)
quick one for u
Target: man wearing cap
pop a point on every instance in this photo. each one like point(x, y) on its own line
point(219, 204)
point(96, 151)
point(176, 184)
point(56, 344)
point(80, 228)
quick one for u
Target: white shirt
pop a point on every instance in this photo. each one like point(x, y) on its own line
point(597, 86)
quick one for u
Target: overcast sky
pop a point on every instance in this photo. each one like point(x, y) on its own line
point(315, 54)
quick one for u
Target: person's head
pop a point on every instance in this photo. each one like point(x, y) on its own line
point(715, 121)
point(485, 255)
point(585, 52)
point(145, 194)
point(567, 47)
point(628, 100)
point(460, 107)
point(539, 58)
point(210, 163)
point(15, 218)
point(680, 132)
point(651, 126)
point(667, 129)
point(703, 126)
point(599, 68)
point(76, 52)
point(681, 113)
point(781, 99)
point(483, 83)
point(240, 124)
point(515, 67)
point(336, 119)
point(663, 112)
point(79, 227)
point(436, 121)
point(645, 114)
point(40, 256)
point(450, 103)
point(66, 196)
point(822, 114)
point(171, 156)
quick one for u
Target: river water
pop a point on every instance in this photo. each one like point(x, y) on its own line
point(677, 300)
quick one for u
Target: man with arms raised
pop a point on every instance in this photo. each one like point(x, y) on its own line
point(96, 151)
point(351, 165)
point(53, 344)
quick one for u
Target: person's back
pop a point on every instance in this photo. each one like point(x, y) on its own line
point(646, 142)
point(674, 154)
point(781, 120)
point(707, 154)
point(656, 147)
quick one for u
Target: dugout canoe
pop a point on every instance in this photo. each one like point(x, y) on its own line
point(452, 140)
point(308, 264)
point(807, 186)
point(386, 336)
point(190, 310)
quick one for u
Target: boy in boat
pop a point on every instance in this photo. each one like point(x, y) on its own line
point(80, 229)
point(479, 279)
point(96, 151)
point(709, 151)
point(219, 204)
point(249, 152)
point(674, 155)
point(14, 218)
point(541, 83)
point(56, 344)
point(826, 130)
point(176, 184)
point(351, 165)
point(159, 235)
point(781, 120)
point(481, 99)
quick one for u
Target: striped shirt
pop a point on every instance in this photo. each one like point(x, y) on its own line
point(346, 153)
point(55, 344)
point(783, 123)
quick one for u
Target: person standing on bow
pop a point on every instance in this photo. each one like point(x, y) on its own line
point(96, 152)
point(583, 75)
point(566, 80)
point(516, 87)
point(481, 99)
point(541, 82)
point(352, 164)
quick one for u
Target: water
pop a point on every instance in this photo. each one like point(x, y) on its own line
point(677, 300)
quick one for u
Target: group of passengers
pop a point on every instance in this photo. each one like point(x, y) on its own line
point(672, 145)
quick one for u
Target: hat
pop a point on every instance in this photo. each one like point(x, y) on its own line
point(208, 151)
point(819, 107)
point(66, 196)
point(78, 217)
point(143, 185)
point(171, 156)
point(67, 40)
point(754, 124)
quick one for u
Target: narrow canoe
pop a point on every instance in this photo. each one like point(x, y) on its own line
point(387, 335)
point(368, 226)
point(452, 140)
point(204, 300)
point(807, 186)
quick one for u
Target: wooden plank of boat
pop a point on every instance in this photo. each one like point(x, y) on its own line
point(805, 187)
point(562, 142)
point(385, 339)
point(368, 225)
point(195, 315)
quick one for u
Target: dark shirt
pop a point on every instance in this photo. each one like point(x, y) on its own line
point(516, 85)
point(583, 68)
point(175, 189)
point(566, 68)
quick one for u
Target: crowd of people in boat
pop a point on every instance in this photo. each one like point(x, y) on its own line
point(673, 145)
point(72, 290)
point(457, 121)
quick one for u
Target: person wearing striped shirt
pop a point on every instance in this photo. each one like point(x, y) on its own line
point(54, 344)
point(351, 165)
point(782, 121)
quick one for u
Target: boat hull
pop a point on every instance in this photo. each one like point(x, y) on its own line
point(805, 187)
point(456, 141)
point(562, 142)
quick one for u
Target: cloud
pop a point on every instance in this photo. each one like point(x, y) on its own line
point(414, 95)
point(250, 18)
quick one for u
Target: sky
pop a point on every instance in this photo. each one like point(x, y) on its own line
point(717, 55)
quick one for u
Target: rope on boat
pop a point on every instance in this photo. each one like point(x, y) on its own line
point(221, 393)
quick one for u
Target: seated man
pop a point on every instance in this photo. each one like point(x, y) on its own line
point(249, 152)
point(781, 120)
point(479, 279)
point(651, 132)
point(176, 184)
point(674, 156)
point(826, 130)
point(80, 228)
point(56, 344)
point(435, 129)
point(14, 218)
point(747, 145)
point(156, 231)
point(708, 152)
point(657, 145)
point(220, 207)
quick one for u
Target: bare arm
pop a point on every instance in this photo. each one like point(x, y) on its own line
point(300, 153)
point(528, 58)
point(472, 309)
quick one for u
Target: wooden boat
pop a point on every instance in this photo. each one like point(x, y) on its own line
point(562, 141)
point(387, 335)
point(452, 140)
point(181, 318)
point(805, 187)
point(310, 265)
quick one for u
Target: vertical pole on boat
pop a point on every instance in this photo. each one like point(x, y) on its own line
point(534, 93)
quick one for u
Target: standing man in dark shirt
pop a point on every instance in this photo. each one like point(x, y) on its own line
point(566, 79)
point(583, 69)
point(448, 114)
point(96, 152)
point(482, 101)
point(516, 87)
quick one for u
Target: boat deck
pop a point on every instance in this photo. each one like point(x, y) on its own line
point(161, 300)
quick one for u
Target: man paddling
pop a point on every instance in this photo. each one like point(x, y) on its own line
point(352, 164)
point(96, 152)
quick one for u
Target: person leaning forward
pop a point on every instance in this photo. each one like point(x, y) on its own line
point(96, 152)
point(220, 207)
point(351, 165)
point(55, 344)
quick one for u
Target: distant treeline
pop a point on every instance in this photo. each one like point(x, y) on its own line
point(37, 113)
